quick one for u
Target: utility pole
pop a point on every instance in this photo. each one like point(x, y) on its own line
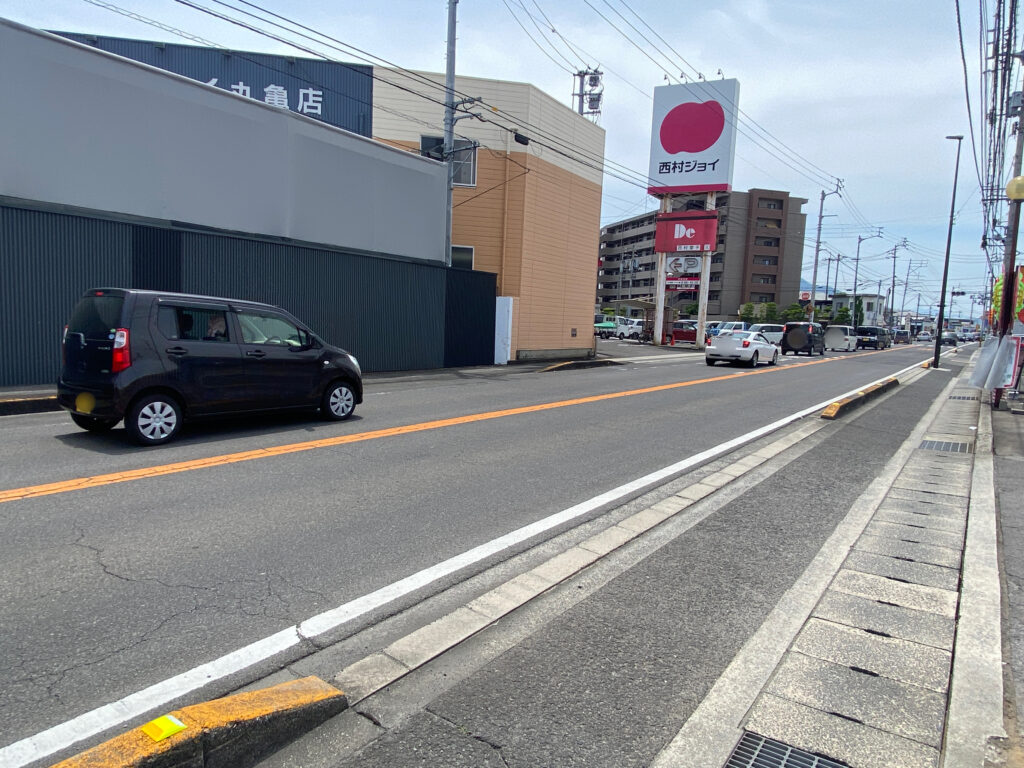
point(817, 242)
point(892, 289)
point(828, 272)
point(835, 288)
point(449, 126)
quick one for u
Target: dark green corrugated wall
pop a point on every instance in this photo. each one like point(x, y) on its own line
point(393, 315)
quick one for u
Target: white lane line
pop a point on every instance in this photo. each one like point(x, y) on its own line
point(108, 716)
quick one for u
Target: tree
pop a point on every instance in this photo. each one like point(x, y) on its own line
point(691, 309)
point(794, 312)
point(747, 312)
point(858, 313)
point(843, 316)
point(769, 312)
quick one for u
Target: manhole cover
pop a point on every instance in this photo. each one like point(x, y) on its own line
point(755, 751)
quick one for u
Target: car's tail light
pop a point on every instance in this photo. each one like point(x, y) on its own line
point(122, 351)
point(746, 342)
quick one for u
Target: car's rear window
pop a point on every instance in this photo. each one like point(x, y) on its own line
point(867, 331)
point(96, 317)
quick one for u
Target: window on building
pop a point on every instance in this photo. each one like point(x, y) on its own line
point(462, 256)
point(768, 202)
point(766, 242)
point(769, 223)
point(870, 307)
point(713, 295)
point(463, 162)
point(717, 259)
point(762, 298)
point(764, 279)
point(768, 261)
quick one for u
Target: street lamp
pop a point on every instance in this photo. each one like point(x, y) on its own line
point(945, 265)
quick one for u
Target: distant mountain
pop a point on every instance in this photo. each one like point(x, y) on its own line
point(805, 285)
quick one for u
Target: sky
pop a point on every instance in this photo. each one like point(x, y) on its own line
point(864, 91)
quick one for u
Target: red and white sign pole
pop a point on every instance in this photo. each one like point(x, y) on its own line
point(693, 140)
point(705, 278)
point(659, 291)
point(685, 232)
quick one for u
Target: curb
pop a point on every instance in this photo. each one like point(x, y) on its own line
point(237, 730)
point(16, 405)
point(840, 407)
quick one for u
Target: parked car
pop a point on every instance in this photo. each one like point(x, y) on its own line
point(948, 337)
point(158, 359)
point(629, 327)
point(901, 336)
point(800, 337)
point(684, 332)
point(925, 336)
point(734, 325)
point(741, 347)
point(713, 328)
point(842, 338)
point(770, 331)
point(604, 326)
point(873, 336)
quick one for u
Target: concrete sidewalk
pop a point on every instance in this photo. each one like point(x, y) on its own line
point(745, 612)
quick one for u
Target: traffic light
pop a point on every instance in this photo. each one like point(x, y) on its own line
point(957, 293)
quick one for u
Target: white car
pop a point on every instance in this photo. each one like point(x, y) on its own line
point(924, 336)
point(628, 327)
point(747, 347)
point(770, 331)
point(842, 338)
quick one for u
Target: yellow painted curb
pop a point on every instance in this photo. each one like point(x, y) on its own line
point(839, 407)
point(188, 735)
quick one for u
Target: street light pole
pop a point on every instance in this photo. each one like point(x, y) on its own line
point(856, 267)
point(945, 264)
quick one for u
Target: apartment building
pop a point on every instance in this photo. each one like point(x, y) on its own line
point(758, 258)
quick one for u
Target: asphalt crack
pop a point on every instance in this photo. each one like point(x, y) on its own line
point(463, 731)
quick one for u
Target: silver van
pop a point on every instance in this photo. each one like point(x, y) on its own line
point(842, 338)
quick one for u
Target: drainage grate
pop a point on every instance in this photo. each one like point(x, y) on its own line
point(963, 397)
point(946, 445)
point(755, 751)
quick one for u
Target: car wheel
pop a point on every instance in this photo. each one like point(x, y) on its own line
point(154, 419)
point(339, 402)
point(709, 362)
point(753, 361)
point(93, 424)
point(621, 336)
point(775, 359)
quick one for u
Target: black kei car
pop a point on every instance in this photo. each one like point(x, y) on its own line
point(157, 359)
point(803, 337)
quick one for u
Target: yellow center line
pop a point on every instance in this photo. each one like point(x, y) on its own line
point(96, 481)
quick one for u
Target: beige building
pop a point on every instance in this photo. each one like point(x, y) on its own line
point(529, 213)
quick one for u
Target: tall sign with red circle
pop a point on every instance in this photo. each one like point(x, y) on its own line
point(693, 137)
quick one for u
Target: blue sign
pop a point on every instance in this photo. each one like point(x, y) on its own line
point(336, 93)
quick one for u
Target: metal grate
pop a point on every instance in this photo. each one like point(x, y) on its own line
point(946, 445)
point(755, 751)
point(963, 397)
